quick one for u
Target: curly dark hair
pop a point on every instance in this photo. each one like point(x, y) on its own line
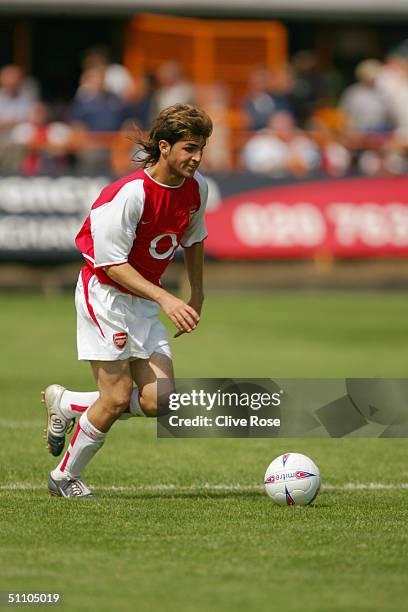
point(177, 122)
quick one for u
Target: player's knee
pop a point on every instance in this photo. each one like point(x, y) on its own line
point(149, 405)
point(118, 400)
point(153, 406)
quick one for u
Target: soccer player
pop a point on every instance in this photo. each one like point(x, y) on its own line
point(127, 241)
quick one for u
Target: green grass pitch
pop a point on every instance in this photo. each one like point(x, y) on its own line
point(188, 526)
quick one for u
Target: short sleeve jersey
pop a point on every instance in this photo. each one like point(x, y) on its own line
point(139, 221)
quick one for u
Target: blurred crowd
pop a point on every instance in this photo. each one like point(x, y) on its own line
point(295, 121)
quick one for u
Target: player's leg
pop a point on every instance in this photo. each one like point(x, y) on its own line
point(146, 373)
point(95, 331)
point(159, 365)
point(115, 385)
point(64, 406)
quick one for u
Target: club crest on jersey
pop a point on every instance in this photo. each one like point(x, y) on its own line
point(120, 339)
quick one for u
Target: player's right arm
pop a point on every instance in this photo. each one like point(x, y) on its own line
point(184, 317)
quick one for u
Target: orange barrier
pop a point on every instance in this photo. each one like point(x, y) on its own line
point(210, 50)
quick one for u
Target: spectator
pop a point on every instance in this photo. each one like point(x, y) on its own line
point(259, 104)
point(335, 156)
point(45, 143)
point(281, 149)
point(139, 109)
point(393, 83)
point(309, 89)
point(173, 87)
point(95, 108)
point(282, 88)
point(117, 78)
point(363, 103)
point(268, 93)
point(15, 99)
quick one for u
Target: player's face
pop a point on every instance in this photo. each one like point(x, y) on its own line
point(185, 156)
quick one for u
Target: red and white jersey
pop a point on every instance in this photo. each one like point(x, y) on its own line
point(139, 221)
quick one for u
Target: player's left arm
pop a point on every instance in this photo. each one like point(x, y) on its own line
point(194, 262)
point(193, 245)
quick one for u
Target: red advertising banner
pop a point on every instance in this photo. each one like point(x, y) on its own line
point(355, 217)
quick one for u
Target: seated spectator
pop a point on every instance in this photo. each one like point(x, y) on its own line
point(45, 143)
point(139, 109)
point(393, 83)
point(95, 108)
point(363, 103)
point(335, 156)
point(15, 99)
point(117, 78)
point(281, 149)
point(309, 90)
point(282, 87)
point(259, 104)
point(268, 93)
point(172, 86)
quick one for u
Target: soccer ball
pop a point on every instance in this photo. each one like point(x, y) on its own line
point(292, 479)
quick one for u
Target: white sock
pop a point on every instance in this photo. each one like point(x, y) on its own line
point(85, 443)
point(74, 403)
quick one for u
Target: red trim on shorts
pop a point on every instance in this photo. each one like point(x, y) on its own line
point(64, 463)
point(86, 275)
point(74, 437)
point(78, 408)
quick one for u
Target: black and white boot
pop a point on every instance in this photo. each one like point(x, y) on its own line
point(57, 424)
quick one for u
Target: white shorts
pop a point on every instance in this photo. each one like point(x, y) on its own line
point(112, 325)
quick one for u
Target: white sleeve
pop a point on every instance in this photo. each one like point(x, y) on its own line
point(113, 225)
point(196, 230)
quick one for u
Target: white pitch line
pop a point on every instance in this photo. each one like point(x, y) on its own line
point(351, 486)
point(23, 424)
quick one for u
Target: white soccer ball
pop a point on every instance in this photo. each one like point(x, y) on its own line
point(292, 479)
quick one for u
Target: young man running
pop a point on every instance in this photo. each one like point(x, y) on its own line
point(127, 241)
